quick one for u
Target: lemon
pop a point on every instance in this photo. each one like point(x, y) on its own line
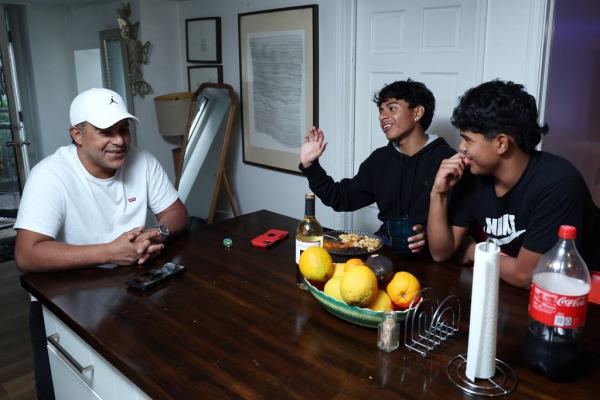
point(382, 302)
point(316, 264)
point(339, 269)
point(332, 287)
point(358, 286)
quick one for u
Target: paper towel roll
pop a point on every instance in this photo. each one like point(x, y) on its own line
point(481, 353)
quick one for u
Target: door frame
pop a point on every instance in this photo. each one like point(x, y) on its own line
point(19, 140)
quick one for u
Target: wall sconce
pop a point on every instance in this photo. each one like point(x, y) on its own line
point(172, 113)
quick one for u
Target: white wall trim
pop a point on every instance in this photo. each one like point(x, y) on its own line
point(480, 53)
point(345, 93)
point(546, 46)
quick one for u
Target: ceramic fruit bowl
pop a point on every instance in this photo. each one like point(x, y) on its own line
point(355, 315)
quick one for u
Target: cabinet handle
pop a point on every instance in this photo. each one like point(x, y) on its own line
point(54, 341)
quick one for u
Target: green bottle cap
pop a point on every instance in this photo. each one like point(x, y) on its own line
point(227, 242)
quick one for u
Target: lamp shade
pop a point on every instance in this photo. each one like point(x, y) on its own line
point(172, 112)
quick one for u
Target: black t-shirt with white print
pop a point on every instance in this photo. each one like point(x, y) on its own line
point(551, 192)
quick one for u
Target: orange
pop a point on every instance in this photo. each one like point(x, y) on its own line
point(355, 261)
point(382, 302)
point(403, 288)
point(358, 286)
point(316, 264)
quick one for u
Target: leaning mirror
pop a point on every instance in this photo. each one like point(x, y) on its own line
point(115, 66)
point(201, 169)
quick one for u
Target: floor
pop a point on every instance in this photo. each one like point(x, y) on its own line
point(16, 359)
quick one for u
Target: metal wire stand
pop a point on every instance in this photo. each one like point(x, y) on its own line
point(502, 383)
point(431, 322)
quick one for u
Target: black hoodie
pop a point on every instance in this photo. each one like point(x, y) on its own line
point(399, 184)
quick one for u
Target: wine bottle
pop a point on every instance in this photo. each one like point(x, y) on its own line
point(309, 233)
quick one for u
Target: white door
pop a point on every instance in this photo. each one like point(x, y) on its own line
point(437, 42)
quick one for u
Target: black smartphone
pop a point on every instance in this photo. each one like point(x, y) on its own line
point(155, 276)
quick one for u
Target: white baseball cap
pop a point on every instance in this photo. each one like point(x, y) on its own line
point(100, 107)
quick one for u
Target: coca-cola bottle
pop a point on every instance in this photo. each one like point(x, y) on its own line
point(557, 308)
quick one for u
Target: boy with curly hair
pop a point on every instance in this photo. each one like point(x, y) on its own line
point(398, 176)
point(516, 194)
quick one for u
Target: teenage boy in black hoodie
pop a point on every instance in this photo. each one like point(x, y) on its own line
point(398, 177)
point(516, 194)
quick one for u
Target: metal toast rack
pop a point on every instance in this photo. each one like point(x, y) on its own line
point(430, 322)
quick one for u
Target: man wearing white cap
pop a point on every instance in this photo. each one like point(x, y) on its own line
point(86, 204)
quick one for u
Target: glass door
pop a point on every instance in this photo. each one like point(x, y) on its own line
point(14, 160)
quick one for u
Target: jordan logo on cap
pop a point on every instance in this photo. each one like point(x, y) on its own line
point(112, 100)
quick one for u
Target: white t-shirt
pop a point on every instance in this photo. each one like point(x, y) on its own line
point(63, 200)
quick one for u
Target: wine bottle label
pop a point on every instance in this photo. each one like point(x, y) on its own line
point(301, 246)
point(555, 309)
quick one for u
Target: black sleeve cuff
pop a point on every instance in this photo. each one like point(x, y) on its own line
point(315, 169)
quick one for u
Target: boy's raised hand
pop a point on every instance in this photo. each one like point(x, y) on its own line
point(314, 145)
point(449, 173)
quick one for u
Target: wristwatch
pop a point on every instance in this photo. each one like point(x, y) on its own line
point(164, 232)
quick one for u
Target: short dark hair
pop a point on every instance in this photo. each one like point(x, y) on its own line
point(500, 107)
point(414, 93)
point(80, 127)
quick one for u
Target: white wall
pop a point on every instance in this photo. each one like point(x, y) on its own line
point(54, 75)
point(513, 42)
point(257, 188)
point(85, 21)
point(158, 25)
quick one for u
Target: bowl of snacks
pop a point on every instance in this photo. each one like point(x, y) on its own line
point(351, 243)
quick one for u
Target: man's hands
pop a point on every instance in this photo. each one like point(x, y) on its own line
point(450, 172)
point(136, 246)
point(314, 145)
point(417, 242)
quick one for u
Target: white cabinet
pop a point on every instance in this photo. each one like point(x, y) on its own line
point(79, 372)
point(68, 384)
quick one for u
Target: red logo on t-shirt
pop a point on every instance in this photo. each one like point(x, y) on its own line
point(131, 199)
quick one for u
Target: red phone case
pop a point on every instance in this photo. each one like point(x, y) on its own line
point(269, 238)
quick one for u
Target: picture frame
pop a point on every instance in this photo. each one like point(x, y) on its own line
point(278, 84)
point(203, 40)
point(199, 74)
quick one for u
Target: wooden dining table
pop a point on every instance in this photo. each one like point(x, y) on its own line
point(235, 325)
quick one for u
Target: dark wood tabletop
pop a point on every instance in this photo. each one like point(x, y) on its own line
point(234, 325)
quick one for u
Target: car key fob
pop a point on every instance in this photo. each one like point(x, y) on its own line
point(155, 276)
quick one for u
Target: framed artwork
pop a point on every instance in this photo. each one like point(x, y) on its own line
point(203, 40)
point(199, 74)
point(279, 84)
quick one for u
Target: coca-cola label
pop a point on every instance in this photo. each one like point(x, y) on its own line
point(557, 310)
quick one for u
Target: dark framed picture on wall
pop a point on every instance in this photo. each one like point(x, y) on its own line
point(203, 40)
point(199, 74)
point(279, 84)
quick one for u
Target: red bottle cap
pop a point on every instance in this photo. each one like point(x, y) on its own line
point(567, 232)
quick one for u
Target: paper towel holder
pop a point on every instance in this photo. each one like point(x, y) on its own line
point(505, 378)
point(503, 382)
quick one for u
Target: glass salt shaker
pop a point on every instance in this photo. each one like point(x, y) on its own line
point(388, 333)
